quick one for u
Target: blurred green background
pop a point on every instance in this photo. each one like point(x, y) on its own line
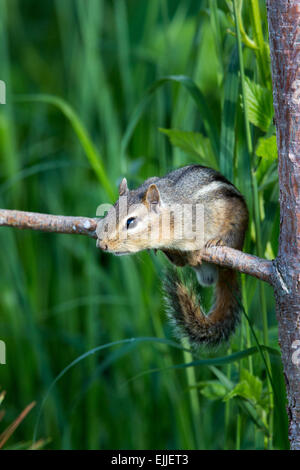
point(60, 297)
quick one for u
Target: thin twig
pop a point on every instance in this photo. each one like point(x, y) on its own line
point(48, 223)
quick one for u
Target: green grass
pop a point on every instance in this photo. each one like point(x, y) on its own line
point(89, 85)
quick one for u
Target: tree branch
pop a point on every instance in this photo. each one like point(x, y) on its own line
point(48, 223)
point(224, 256)
point(260, 268)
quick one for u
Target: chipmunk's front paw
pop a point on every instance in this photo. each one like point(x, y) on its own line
point(214, 242)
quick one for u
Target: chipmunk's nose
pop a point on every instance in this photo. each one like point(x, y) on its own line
point(102, 245)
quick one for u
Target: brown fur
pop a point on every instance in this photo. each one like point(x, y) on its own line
point(225, 222)
point(185, 310)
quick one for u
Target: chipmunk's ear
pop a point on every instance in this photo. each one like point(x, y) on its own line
point(123, 188)
point(152, 197)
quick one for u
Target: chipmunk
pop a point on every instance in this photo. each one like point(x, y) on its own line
point(129, 225)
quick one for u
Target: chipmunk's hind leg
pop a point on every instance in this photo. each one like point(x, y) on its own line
point(207, 274)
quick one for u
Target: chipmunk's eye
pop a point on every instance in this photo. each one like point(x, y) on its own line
point(131, 222)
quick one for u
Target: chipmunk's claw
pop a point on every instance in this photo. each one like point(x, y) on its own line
point(214, 242)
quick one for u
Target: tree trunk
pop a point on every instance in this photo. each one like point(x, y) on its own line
point(284, 35)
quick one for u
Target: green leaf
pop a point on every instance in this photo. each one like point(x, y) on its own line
point(240, 390)
point(267, 175)
point(91, 352)
point(246, 406)
point(92, 154)
point(204, 109)
point(267, 148)
point(231, 88)
point(193, 143)
point(260, 104)
point(249, 388)
point(212, 389)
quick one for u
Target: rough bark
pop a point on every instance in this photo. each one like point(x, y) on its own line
point(48, 222)
point(284, 35)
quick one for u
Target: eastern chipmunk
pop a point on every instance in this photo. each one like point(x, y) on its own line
point(134, 223)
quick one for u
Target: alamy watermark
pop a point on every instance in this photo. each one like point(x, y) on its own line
point(296, 354)
point(167, 222)
point(2, 352)
point(2, 92)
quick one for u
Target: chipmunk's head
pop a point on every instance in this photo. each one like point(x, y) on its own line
point(129, 225)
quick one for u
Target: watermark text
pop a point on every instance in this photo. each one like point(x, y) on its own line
point(296, 353)
point(158, 224)
point(2, 352)
point(2, 92)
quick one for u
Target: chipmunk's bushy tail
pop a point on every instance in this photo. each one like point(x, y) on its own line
point(184, 309)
